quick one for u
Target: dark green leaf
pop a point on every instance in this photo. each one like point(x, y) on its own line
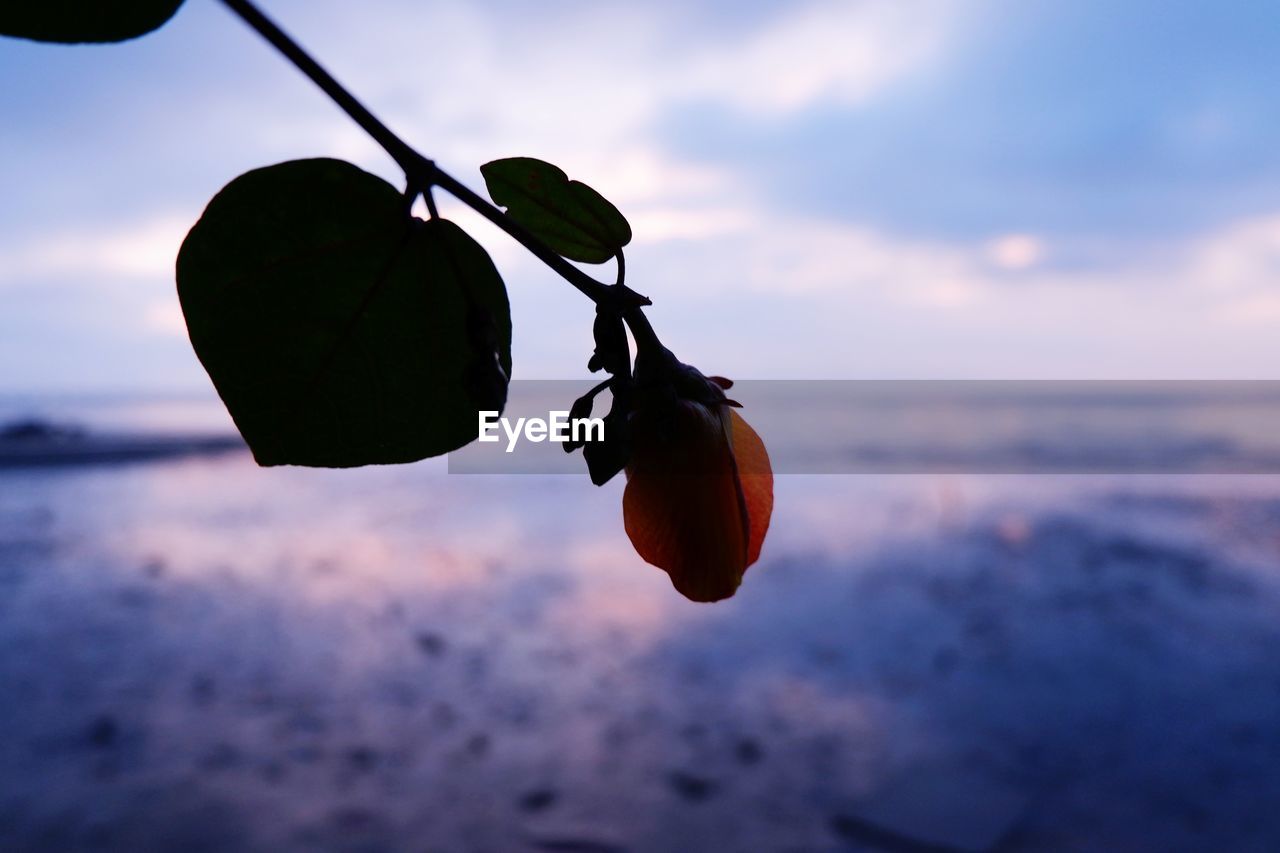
point(338, 330)
point(568, 216)
point(75, 21)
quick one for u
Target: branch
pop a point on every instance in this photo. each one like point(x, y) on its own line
point(421, 172)
point(405, 156)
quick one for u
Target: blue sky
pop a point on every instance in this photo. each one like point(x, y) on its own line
point(873, 189)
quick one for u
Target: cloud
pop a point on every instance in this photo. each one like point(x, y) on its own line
point(817, 298)
point(1016, 251)
point(142, 249)
point(1241, 258)
point(1078, 120)
point(835, 52)
point(588, 85)
point(878, 189)
point(164, 317)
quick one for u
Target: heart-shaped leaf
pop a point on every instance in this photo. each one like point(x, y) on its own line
point(568, 216)
point(76, 21)
point(338, 329)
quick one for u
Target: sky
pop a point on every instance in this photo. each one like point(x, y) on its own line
point(871, 189)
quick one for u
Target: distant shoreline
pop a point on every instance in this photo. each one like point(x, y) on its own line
point(35, 443)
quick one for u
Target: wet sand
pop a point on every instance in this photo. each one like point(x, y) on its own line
point(202, 655)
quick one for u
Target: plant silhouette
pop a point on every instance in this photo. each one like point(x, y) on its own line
point(340, 330)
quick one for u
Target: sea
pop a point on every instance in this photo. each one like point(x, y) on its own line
point(971, 628)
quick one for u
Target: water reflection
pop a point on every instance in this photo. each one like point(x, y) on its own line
point(205, 655)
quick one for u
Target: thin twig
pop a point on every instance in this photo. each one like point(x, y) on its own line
point(408, 159)
point(421, 172)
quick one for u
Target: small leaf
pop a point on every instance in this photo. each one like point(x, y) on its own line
point(569, 216)
point(338, 330)
point(78, 21)
point(612, 352)
point(607, 457)
point(579, 411)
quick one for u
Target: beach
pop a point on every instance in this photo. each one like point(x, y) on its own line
point(200, 654)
